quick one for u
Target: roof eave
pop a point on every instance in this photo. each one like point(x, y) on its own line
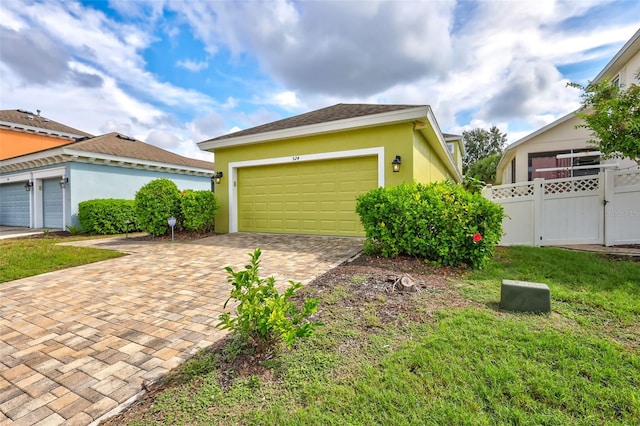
point(442, 146)
point(459, 138)
point(115, 159)
point(620, 57)
point(39, 130)
point(63, 154)
point(320, 128)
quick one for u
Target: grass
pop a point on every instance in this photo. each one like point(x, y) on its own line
point(26, 257)
point(469, 365)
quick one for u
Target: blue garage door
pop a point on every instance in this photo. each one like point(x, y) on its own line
point(14, 205)
point(52, 203)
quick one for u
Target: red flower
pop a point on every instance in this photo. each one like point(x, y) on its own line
point(477, 237)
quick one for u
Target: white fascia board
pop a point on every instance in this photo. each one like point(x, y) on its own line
point(93, 156)
point(31, 175)
point(39, 130)
point(621, 57)
point(18, 177)
point(443, 145)
point(315, 129)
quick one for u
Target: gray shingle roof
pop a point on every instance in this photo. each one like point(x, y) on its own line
point(123, 146)
point(323, 115)
point(21, 117)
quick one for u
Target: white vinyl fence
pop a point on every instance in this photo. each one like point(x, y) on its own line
point(596, 209)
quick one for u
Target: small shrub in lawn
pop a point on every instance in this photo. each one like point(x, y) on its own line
point(199, 210)
point(440, 222)
point(266, 319)
point(155, 203)
point(106, 216)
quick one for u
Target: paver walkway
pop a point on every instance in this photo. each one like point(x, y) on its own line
point(76, 344)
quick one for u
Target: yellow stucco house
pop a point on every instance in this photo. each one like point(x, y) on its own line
point(302, 174)
point(561, 150)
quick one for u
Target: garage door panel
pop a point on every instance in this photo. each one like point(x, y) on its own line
point(312, 197)
point(14, 204)
point(52, 203)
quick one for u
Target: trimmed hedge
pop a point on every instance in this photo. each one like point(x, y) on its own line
point(107, 216)
point(440, 222)
point(199, 210)
point(155, 203)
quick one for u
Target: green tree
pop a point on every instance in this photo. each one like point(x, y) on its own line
point(485, 168)
point(612, 114)
point(481, 143)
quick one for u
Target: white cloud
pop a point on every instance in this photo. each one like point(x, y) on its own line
point(286, 99)
point(193, 66)
point(489, 62)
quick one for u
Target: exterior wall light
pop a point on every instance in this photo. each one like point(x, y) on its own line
point(63, 182)
point(28, 186)
point(218, 177)
point(396, 164)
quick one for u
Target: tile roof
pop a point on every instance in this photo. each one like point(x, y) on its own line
point(323, 115)
point(21, 117)
point(123, 146)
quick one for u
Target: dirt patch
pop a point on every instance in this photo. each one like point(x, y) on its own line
point(367, 290)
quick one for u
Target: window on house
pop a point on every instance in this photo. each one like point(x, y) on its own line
point(616, 81)
point(452, 147)
point(547, 165)
point(513, 170)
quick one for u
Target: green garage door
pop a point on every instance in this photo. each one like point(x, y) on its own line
point(317, 197)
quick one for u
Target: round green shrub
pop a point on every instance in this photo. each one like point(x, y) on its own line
point(440, 222)
point(156, 202)
point(199, 210)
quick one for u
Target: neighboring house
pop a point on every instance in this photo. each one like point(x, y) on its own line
point(23, 132)
point(43, 189)
point(302, 174)
point(560, 150)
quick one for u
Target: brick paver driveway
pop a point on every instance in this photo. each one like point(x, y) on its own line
point(76, 344)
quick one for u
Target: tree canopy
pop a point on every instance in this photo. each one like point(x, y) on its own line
point(481, 143)
point(612, 114)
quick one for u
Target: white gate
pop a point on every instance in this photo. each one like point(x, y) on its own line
point(571, 210)
point(622, 212)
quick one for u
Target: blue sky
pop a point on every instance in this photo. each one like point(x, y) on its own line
point(176, 72)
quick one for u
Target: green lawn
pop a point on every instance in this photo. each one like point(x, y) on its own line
point(25, 257)
point(471, 364)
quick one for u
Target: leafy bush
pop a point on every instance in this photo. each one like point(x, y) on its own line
point(485, 168)
point(155, 203)
point(265, 318)
point(107, 216)
point(199, 209)
point(440, 222)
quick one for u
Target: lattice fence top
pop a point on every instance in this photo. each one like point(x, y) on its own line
point(627, 179)
point(512, 191)
point(581, 185)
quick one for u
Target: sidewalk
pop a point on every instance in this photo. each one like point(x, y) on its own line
point(613, 250)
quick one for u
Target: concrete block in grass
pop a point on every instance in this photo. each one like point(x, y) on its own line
point(523, 296)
